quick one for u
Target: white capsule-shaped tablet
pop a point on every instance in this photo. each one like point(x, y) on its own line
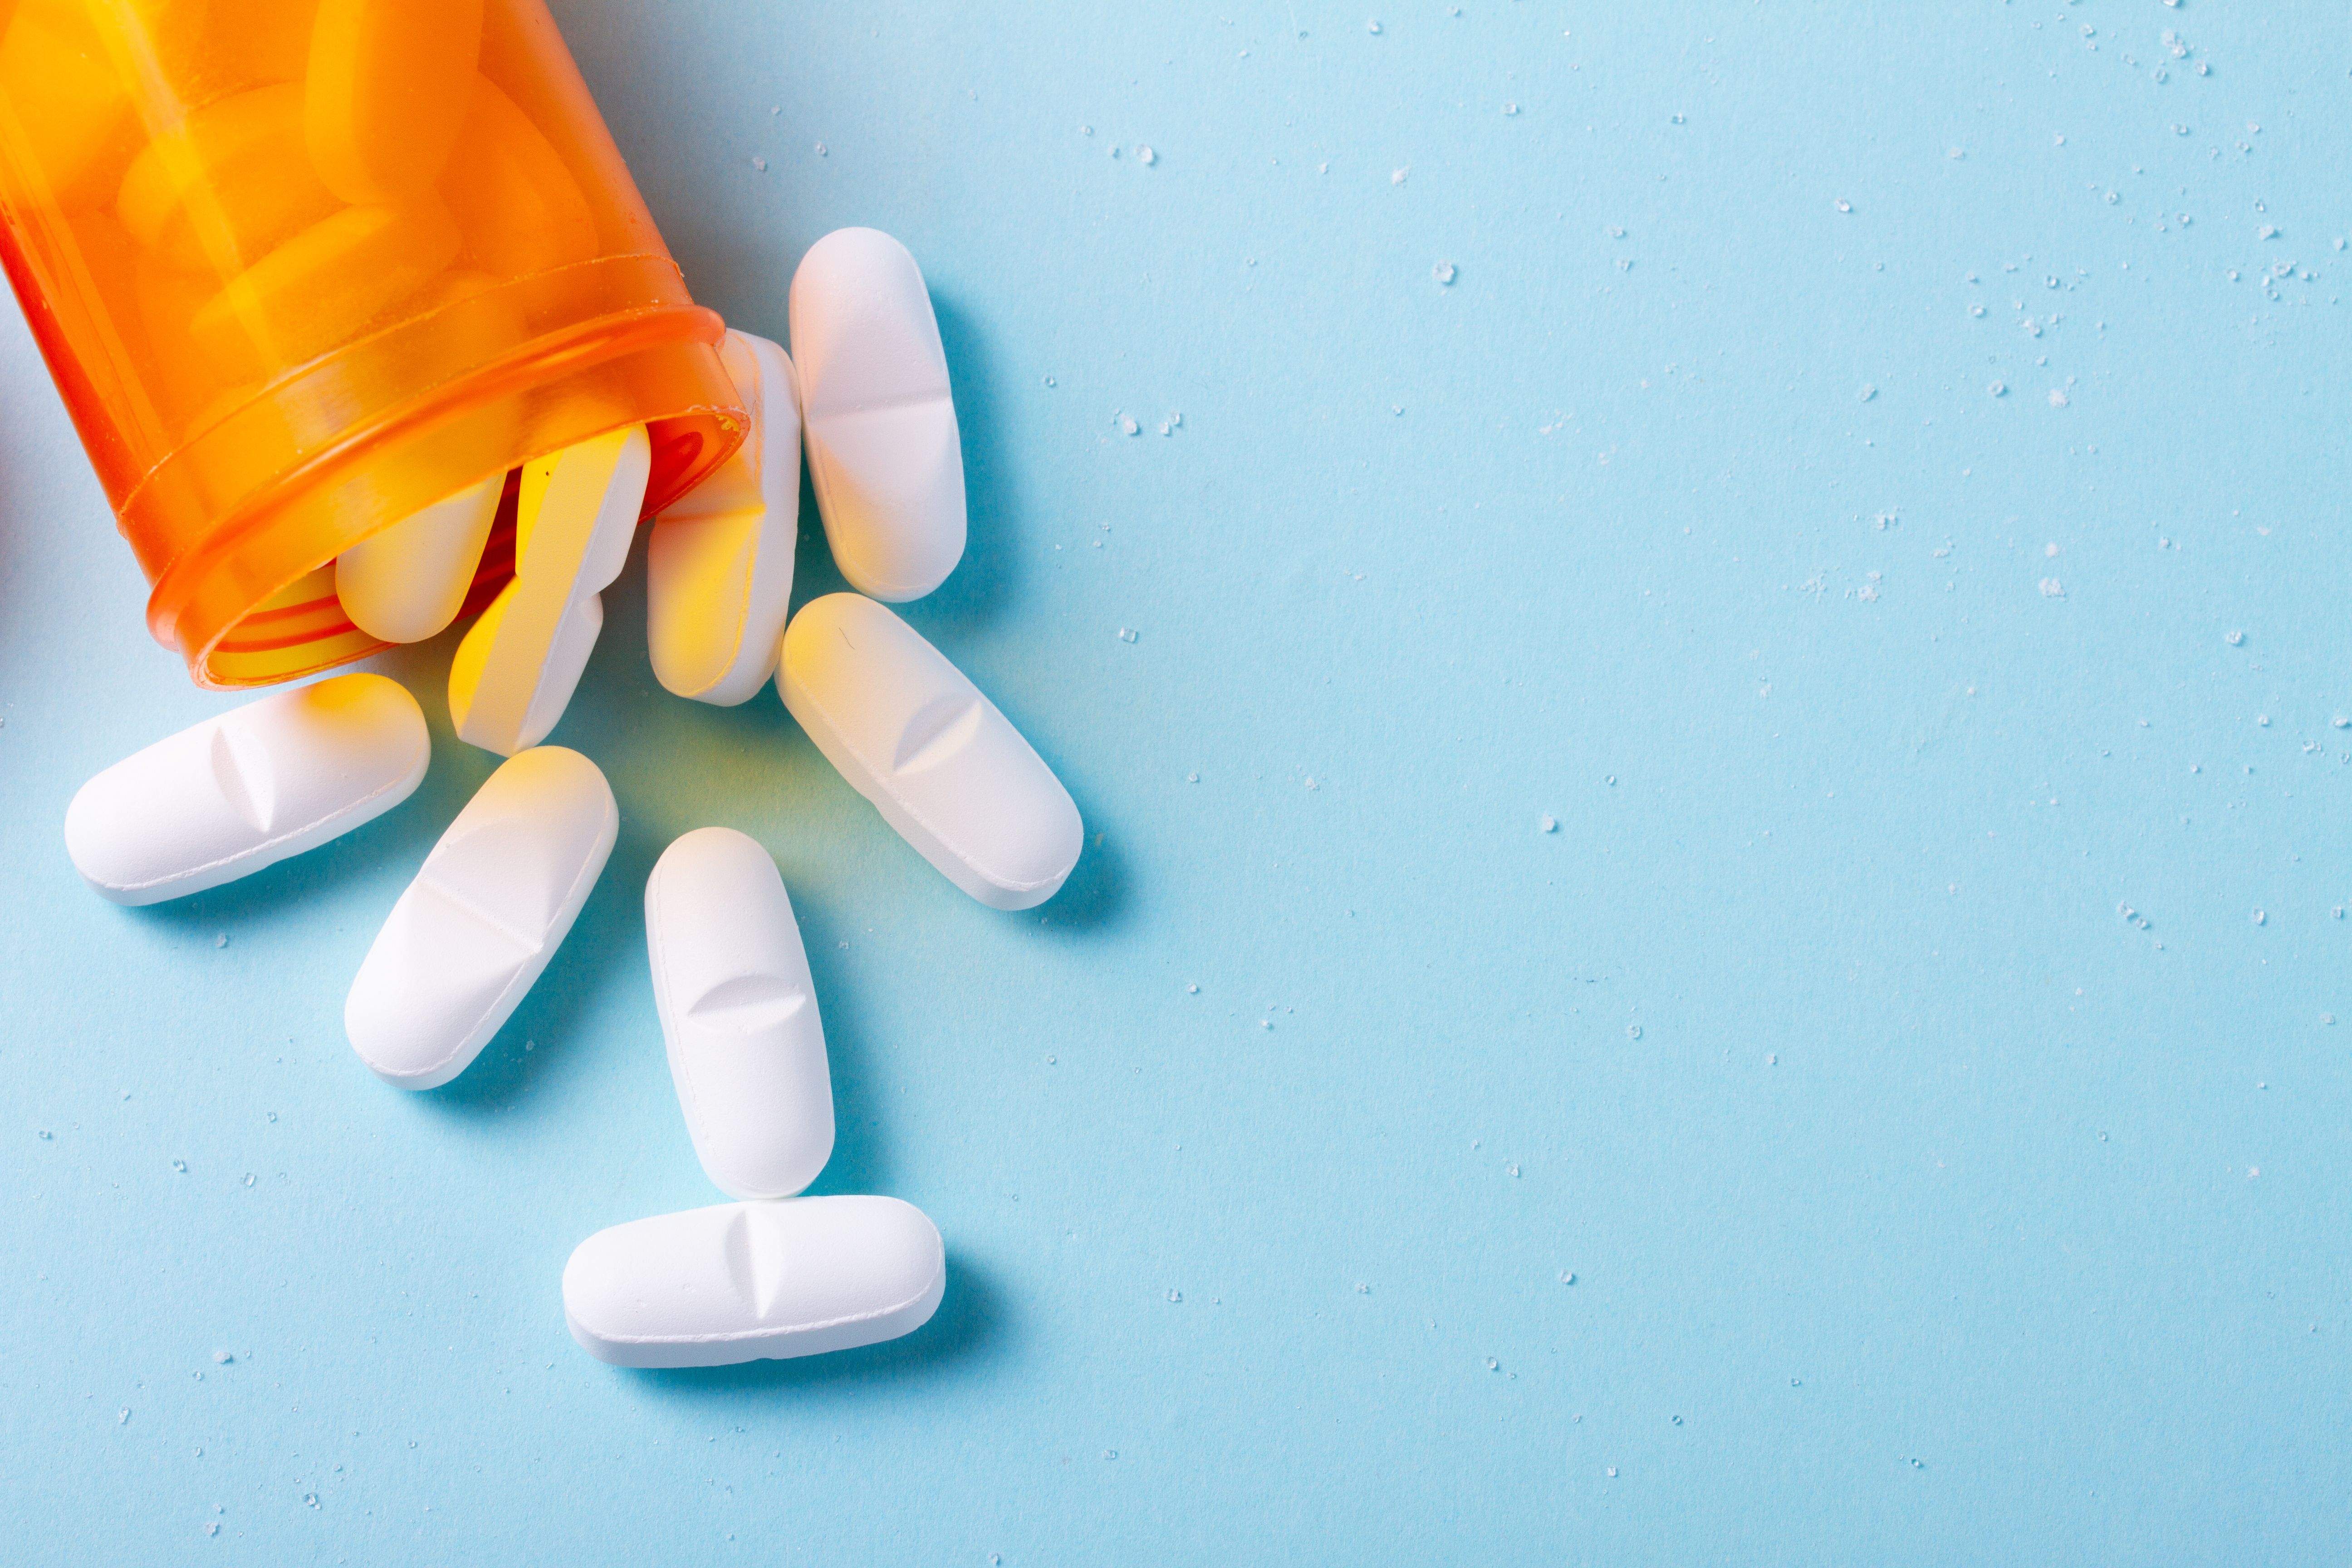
point(408, 582)
point(516, 671)
point(739, 1014)
point(719, 567)
point(245, 790)
point(484, 914)
point(938, 761)
point(755, 1281)
point(882, 450)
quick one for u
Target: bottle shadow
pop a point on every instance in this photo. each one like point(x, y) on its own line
point(971, 1328)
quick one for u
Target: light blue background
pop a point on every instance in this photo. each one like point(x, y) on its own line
point(1921, 1206)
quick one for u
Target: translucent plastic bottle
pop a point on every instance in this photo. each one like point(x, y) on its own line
point(304, 268)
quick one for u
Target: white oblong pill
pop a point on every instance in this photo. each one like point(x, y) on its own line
point(245, 790)
point(883, 450)
point(521, 662)
point(739, 1012)
point(718, 568)
point(938, 761)
point(755, 1281)
point(408, 583)
point(492, 903)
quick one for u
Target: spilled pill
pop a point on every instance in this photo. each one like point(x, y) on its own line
point(484, 914)
point(754, 1281)
point(719, 567)
point(515, 672)
point(915, 737)
point(739, 1011)
point(408, 582)
point(245, 790)
point(884, 454)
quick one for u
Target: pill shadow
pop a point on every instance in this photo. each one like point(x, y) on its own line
point(1097, 897)
point(860, 1160)
point(970, 1326)
point(988, 577)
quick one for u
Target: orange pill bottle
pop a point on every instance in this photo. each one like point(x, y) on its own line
point(302, 268)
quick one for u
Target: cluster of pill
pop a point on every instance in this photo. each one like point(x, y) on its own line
point(773, 1274)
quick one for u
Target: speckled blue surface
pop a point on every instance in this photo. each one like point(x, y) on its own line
point(1875, 478)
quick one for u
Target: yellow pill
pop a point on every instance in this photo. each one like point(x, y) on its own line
point(68, 105)
point(316, 291)
point(228, 187)
point(389, 85)
point(520, 208)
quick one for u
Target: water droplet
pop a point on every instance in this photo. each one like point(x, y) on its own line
point(1362, 1289)
point(1566, 1277)
point(123, 1416)
point(181, 1166)
point(222, 1358)
point(1513, 109)
point(1146, 156)
point(1547, 824)
point(1175, 1295)
point(1443, 272)
point(1396, 176)
point(1110, 1453)
point(1868, 392)
point(1126, 635)
point(1191, 991)
point(1999, 389)
point(221, 941)
point(761, 165)
point(1192, 778)
point(1633, 1031)
point(1843, 206)
point(2235, 639)
point(1678, 1420)
point(1492, 1365)
point(1611, 781)
point(1372, 27)
point(46, 1135)
point(2260, 918)
point(1612, 1472)
point(820, 149)
point(1051, 382)
point(2263, 720)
